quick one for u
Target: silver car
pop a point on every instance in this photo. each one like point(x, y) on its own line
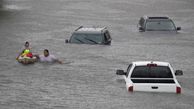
point(147, 23)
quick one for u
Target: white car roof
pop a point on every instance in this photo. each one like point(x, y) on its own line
point(90, 30)
point(157, 16)
point(142, 63)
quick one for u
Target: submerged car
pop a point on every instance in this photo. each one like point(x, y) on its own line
point(151, 76)
point(148, 23)
point(92, 35)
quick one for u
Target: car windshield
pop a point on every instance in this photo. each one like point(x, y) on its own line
point(89, 38)
point(151, 72)
point(160, 25)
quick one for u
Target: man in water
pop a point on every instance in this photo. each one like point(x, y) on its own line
point(46, 57)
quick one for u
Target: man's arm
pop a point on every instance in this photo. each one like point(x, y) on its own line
point(57, 60)
point(60, 62)
point(37, 56)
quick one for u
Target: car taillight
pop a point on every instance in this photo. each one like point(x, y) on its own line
point(130, 89)
point(178, 90)
point(152, 65)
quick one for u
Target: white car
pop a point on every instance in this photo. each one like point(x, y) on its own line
point(151, 76)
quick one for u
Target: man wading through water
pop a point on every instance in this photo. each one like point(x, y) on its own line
point(46, 57)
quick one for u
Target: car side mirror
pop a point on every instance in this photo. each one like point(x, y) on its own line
point(66, 41)
point(178, 28)
point(120, 72)
point(141, 29)
point(108, 42)
point(178, 72)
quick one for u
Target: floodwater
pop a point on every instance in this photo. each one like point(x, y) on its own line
point(87, 79)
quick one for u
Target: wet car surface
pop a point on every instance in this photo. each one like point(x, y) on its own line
point(87, 78)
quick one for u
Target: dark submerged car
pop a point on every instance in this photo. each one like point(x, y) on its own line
point(84, 35)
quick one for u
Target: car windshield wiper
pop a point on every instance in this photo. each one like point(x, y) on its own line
point(91, 40)
point(79, 40)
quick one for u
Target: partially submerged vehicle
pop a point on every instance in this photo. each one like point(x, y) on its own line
point(157, 23)
point(91, 35)
point(151, 76)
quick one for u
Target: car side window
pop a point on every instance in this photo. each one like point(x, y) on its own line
point(128, 69)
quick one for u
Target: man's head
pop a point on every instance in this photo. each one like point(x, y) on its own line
point(26, 44)
point(46, 53)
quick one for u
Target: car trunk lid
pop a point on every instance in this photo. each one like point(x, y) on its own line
point(156, 87)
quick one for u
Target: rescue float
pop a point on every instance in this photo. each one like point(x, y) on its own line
point(27, 60)
point(27, 57)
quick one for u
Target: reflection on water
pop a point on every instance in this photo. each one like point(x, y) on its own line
point(14, 7)
point(1, 3)
point(7, 6)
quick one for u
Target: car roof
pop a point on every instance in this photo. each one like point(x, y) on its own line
point(144, 63)
point(156, 17)
point(90, 29)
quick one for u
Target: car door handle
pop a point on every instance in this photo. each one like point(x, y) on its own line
point(154, 87)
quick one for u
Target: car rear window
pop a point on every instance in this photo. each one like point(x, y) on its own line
point(151, 72)
point(87, 38)
point(155, 74)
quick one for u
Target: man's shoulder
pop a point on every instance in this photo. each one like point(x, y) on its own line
point(52, 56)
